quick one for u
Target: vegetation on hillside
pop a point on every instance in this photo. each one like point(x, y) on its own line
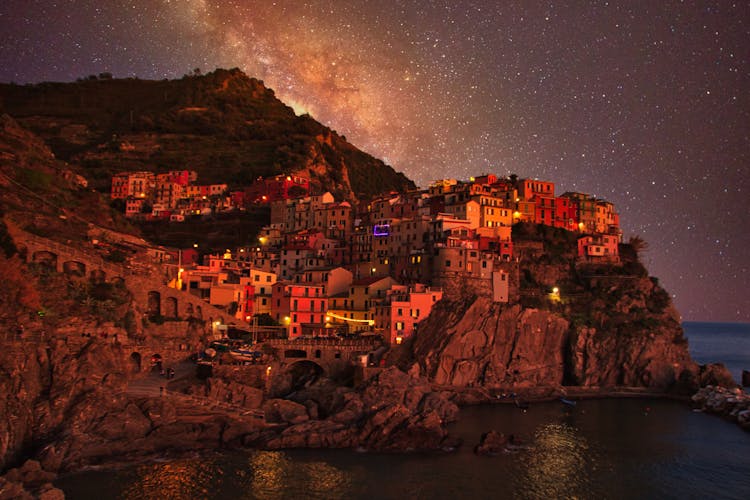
point(228, 127)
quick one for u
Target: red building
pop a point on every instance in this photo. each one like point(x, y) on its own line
point(301, 308)
point(544, 210)
point(566, 214)
point(280, 187)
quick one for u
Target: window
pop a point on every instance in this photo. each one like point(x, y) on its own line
point(256, 277)
point(399, 325)
point(268, 278)
point(399, 312)
point(263, 301)
point(447, 263)
point(294, 318)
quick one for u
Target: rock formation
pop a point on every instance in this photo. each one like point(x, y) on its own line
point(610, 326)
point(392, 412)
point(733, 403)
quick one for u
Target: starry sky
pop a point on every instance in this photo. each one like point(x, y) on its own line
point(644, 103)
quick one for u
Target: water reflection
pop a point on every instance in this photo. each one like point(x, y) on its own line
point(556, 465)
point(600, 449)
point(274, 475)
point(179, 479)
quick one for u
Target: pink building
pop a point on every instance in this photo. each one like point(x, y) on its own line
point(599, 247)
point(403, 309)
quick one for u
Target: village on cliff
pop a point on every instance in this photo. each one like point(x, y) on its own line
point(324, 267)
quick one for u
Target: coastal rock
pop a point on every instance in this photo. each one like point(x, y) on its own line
point(234, 393)
point(485, 343)
point(314, 434)
point(284, 411)
point(491, 443)
point(716, 374)
point(10, 490)
point(393, 411)
point(465, 344)
point(29, 481)
point(733, 404)
point(352, 410)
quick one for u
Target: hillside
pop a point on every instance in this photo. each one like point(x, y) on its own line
point(226, 126)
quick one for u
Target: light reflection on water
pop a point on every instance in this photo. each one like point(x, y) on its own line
point(274, 475)
point(183, 478)
point(600, 449)
point(556, 466)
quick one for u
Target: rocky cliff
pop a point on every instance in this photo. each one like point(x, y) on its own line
point(609, 325)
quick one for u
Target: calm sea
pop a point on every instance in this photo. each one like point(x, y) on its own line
point(598, 449)
point(727, 343)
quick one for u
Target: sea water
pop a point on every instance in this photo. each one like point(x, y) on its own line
point(727, 343)
point(626, 448)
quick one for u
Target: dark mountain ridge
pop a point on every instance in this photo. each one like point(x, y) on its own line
point(225, 125)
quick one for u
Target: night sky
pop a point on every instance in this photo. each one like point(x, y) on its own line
point(644, 103)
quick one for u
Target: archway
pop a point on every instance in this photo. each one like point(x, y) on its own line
point(154, 304)
point(74, 268)
point(98, 276)
point(135, 362)
point(304, 373)
point(170, 307)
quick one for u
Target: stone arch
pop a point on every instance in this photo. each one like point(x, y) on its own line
point(170, 307)
point(154, 303)
point(74, 268)
point(303, 372)
point(45, 258)
point(135, 362)
point(98, 276)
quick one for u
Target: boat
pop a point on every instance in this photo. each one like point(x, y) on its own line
point(245, 355)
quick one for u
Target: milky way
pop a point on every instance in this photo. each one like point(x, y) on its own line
point(642, 103)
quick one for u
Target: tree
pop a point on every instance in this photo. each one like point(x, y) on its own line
point(638, 244)
point(18, 296)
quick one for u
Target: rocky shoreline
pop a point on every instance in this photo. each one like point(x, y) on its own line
point(395, 412)
point(732, 404)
